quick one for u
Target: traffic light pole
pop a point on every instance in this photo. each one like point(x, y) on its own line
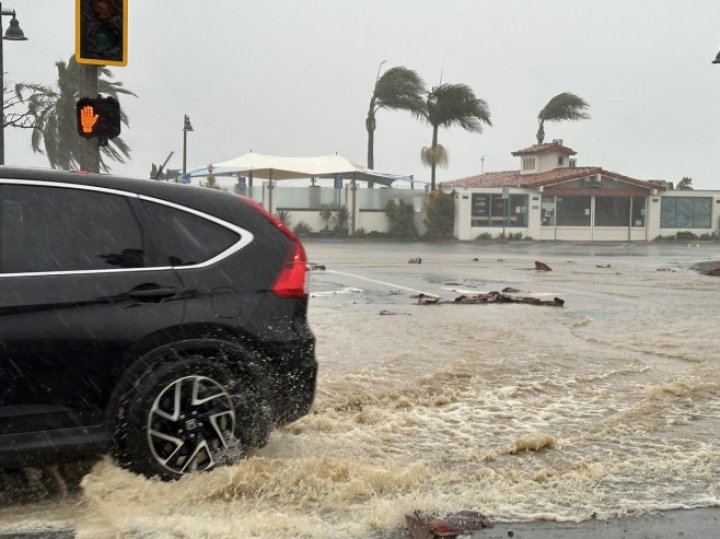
point(89, 148)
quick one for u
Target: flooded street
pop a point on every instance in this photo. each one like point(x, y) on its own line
point(605, 407)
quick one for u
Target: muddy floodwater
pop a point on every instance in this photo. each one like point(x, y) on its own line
point(605, 407)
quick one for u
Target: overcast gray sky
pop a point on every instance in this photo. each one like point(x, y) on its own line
point(294, 77)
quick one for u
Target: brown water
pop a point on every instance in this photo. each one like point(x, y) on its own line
point(607, 406)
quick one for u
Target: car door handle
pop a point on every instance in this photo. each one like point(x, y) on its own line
point(153, 293)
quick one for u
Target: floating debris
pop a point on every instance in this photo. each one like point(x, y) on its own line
point(384, 312)
point(421, 526)
point(541, 266)
point(601, 266)
point(415, 261)
point(424, 299)
point(497, 297)
point(510, 290)
point(707, 267)
point(313, 267)
point(491, 297)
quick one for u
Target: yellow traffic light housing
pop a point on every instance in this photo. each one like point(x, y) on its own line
point(101, 32)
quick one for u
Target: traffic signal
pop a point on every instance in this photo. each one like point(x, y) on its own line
point(98, 117)
point(101, 32)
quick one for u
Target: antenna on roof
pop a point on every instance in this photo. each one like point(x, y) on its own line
point(482, 164)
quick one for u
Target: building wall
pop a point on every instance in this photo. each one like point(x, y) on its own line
point(649, 232)
point(306, 204)
point(548, 161)
point(659, 230)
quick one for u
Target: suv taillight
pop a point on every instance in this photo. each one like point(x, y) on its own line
point(291, 281)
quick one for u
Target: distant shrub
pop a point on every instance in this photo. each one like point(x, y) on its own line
point(360, 233)
point(284, 217)
point(302, 228)
point(341, 220)
point(485, 236)
point(401, 220)
point(440, 215)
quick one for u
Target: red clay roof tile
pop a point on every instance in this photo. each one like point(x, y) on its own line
point(513, 178)
point(544, 148)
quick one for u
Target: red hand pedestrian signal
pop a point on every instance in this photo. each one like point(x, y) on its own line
point(88, 118)
point(98, 117)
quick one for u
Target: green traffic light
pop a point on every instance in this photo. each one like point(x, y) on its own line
point(105, 38)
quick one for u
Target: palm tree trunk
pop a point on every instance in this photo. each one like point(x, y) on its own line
point(370, 126)
point(433, 162)
point(540, 132)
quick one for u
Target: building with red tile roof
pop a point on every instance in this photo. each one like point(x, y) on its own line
point(551, 198)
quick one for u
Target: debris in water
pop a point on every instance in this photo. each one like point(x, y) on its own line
point(415, 261)
point(476, 259)
point(541, 266)
point(312, 266)
point(491, 297)
point(424, 299)
point(390, 313)
point(421, 526)
point(601, 266)
point(497, 297)
point(510, 290)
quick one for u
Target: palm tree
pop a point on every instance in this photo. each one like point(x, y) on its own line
point(398, 88)
point(685, 184)
point(564, 106)
point(53, 110)
point(447, 105)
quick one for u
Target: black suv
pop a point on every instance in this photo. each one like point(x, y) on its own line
point(162, 322)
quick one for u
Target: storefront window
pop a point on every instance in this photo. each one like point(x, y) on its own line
point(547, 216)
point(573, 211)
point(638, 211)
point(612, 211)
point(686, 212)
point(494, 210)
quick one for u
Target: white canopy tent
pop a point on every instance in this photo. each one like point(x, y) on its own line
point(275, 167)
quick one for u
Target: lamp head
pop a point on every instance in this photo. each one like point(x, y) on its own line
point(14, 33)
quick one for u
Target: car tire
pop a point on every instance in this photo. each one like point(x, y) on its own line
point(177, 417)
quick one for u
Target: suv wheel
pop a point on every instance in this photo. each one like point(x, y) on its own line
point(177, 418)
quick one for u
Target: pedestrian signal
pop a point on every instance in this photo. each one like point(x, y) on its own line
point(98, 117)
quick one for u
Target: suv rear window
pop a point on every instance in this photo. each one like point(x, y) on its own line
point(179, 238)
point(61, 229)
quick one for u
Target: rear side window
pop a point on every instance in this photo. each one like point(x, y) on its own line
point(179, 238)
point(62, 229)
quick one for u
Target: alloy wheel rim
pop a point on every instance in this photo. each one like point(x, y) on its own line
point(191, 424)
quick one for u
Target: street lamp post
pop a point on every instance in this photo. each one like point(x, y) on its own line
point(186, 127)
point(14, 33)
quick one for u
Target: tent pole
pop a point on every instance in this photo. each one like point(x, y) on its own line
point(353, 193)
point(270, 191)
